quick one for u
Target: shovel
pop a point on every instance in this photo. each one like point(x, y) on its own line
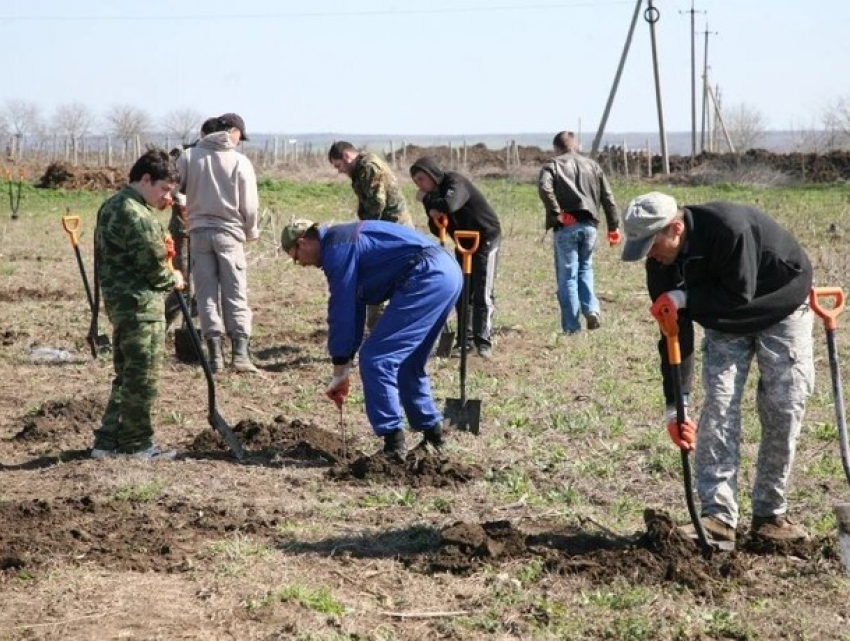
point(669, 324)
point(463, 413)
point(447, 336)
point(184, 347)
point(830, 322)
point(213, 417)
point(15, 192)
point(98, 343)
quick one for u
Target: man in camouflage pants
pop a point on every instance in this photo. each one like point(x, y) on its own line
point(130, 247)
point(378, 194)
point(732, 269)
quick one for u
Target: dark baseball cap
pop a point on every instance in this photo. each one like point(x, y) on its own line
point(230, 120)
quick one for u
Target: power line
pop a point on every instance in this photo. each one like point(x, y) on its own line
point(314, 14)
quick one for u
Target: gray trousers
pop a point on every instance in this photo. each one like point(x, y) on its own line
point(219, 274)
point(786, 379)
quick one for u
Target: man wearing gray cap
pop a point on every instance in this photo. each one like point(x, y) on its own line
point(734, 270)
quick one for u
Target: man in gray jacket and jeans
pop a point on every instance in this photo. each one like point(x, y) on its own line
point(221, 196)
point(574, 189)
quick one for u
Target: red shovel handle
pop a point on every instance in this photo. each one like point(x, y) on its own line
point(466, 252)
point(829, 316)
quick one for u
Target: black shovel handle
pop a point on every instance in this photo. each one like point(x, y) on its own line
point(669, 323)
point(830, 318)
point(71, 224)
point(214, 418)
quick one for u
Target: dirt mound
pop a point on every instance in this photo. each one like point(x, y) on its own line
point(278, 439)
point(420, 469)
point(120, 534)
point(662, 554)
point(60, 424)
point(60, 175)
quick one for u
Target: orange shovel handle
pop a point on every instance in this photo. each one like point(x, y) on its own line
point(829, 316)
point(442, 222)
point(668, 320)
point(71, 224)
point(467, 252)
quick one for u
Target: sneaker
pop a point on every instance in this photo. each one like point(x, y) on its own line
point(594, 321)
point(718, 532)
point(98, 453)
point(395, 447)
point(485, 351)
point(154, 453)
point(777, 528)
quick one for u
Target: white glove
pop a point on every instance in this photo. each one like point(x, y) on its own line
point(341, 374)
point(179, 282)
point(678, 297)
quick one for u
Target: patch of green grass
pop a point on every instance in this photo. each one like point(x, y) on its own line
point(239, 548)
point(139, 492)
point(511, 482)
point(319, 600)
point(405, 497)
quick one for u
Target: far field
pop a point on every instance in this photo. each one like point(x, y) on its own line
point(554, 523)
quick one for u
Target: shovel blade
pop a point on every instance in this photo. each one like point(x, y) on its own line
point(445, 343)
point(463, 414)
point(184, 346)
point(100, 345)
point(230, 438)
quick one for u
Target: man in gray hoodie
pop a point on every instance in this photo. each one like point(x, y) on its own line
point(221, 196)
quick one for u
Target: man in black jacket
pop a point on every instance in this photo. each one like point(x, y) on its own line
point(450, 194)
point(746, 280)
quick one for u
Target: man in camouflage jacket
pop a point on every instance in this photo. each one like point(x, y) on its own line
point(378, 194)
point(131, 251)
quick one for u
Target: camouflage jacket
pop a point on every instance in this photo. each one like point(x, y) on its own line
point(378, 194)
point(130, 254)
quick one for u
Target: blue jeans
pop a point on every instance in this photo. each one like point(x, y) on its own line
point(574, 271)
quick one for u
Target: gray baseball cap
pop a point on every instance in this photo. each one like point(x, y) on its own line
point(643, 218)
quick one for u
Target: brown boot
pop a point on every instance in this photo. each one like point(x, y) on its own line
point(777, 528)
point(241, 360)
point(719, 533)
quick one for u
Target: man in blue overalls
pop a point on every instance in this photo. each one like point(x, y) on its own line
point(367, 263)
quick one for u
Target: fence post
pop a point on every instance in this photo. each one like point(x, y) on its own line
point(625, 159)
point(648, 159)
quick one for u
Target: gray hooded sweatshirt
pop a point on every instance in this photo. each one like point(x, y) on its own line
point(220, 187)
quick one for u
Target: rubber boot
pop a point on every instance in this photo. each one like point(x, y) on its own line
point(395, 447)
point(241, 360)
point(214, 355)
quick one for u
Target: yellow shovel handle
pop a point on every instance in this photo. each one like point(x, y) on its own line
point(71, 224)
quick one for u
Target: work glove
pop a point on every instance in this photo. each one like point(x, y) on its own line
point(684, 435)
point(675, 299)
point(179, 281)
point(615, 237)
point(170, 252)
point(340, 385)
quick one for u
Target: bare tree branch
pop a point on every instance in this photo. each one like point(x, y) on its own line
point(126, 122)
point(182, 123)
point(746, 125)
point(73, 120)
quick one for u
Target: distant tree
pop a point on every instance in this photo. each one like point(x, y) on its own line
point(836, 123)
point(20, 118)
point(127, 122)
point(746, 126)
point(73, 120)
point(183, 124)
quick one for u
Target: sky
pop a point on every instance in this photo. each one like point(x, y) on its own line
point(454, 67)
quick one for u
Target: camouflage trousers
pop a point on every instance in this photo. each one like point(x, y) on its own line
point(137, 355)
point(786, 379)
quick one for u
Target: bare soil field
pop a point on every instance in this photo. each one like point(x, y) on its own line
point(558, 521)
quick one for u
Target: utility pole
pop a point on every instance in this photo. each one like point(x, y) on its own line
point(601, 130)
point(693, 82)
point(705, 88)
point(651, 15)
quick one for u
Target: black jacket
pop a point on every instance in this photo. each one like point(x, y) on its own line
point(464, 205)
point(742, 273)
